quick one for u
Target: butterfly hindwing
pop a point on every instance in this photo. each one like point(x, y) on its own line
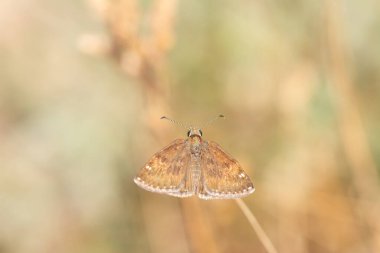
point(222, 176)
point(165, 172)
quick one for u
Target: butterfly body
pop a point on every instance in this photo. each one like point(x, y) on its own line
point(194, 166)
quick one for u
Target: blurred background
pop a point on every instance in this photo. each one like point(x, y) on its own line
point(84, 83)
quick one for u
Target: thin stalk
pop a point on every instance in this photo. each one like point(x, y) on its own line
point(263, 237)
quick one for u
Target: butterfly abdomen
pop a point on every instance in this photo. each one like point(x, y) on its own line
point(195, 167)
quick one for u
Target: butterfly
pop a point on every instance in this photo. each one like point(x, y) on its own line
point(194, 166)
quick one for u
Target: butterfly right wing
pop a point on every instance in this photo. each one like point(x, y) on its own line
point(222, 175)
point(166, 171)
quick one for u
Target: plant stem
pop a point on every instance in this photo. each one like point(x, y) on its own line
point(263, 237)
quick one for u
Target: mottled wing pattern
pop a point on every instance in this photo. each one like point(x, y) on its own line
point(222, 176)
point(165, 172)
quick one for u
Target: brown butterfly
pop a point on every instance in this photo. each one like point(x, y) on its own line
point(194, 166)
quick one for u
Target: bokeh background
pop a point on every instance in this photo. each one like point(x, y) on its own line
point(84, 83)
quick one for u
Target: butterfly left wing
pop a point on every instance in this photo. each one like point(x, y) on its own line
point(222, 176)
point(166, 171)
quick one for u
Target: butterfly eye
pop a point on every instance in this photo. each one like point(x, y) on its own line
point(188, 133)
point(200, 131)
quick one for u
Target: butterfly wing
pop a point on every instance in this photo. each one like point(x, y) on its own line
point(166, 171)
point(222, 176)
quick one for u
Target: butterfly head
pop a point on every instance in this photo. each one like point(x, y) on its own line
point(194, 131)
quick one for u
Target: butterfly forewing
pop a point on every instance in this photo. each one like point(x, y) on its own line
point(222, 176)
point(165, 172)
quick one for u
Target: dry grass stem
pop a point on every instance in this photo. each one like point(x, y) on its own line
point(263, 237)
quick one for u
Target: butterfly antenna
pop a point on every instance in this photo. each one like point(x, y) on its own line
point(212, 121)
point(175, 122)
